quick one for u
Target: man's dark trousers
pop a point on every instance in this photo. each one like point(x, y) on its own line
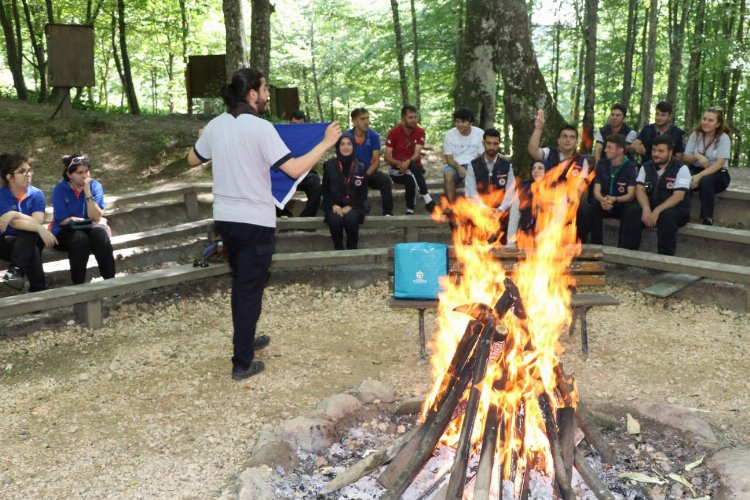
point(669, 221)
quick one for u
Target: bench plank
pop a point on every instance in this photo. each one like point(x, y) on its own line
point(671, 284)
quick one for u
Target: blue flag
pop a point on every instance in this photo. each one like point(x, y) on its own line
point(299, 138)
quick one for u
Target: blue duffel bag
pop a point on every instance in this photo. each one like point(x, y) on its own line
point(418, 268)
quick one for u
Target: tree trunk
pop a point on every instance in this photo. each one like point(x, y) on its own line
point(737, 73)
point(184, 31)
point(648, 70)
point(38, 48)
point(400, 54)
point(556, 59)
point(235, 36)
point(314, 70)
point(627, 79)
point(15, 62)
point(579, 71)
point(696, 51)
point(127, 73)
point(458, 39)
point(50, 12)
point(591, 15)
point(678, 12)
point(524, 88)
point(260, 35)
point(476, 86)
point(415, 55)
point(92, 11)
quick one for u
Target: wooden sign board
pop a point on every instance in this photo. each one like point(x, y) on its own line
point(284, 101)
point(70, 54)
point(205, 75)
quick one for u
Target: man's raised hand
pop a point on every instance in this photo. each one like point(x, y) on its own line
point(539, 121)
point(333, 132)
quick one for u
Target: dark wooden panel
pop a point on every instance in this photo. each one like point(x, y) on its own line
point(70, 55)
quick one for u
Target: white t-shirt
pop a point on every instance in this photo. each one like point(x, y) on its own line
point(243, 150)
point(711, 150)
point(463, 148)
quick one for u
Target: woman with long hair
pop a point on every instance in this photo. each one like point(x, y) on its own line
point(523, 210)
point(78, 221)
point(707, 156)
point(23, 234)
point(344, 194)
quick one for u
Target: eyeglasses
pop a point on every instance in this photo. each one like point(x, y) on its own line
point(25, 171)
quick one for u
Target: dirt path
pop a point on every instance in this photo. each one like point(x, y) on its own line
point(144, 407)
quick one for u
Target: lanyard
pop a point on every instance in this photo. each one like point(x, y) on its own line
point(347, 178)
point(613, 173)
point(706, 146)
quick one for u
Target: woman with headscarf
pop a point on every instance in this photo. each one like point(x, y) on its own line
point(78, 222)
point(344, 194)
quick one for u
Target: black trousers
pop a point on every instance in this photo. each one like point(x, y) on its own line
point(412, 180)
point(707, 188)
point(349, 223)
point(311, 186)
point(596, 216)
point(249, 248)
point(80, 244)
point(382, 182)
point(670, 220)
point(25, 252)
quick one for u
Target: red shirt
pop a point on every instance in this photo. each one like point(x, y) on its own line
point(403, 145)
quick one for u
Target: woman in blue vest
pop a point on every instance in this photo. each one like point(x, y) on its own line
point(78, 205)
point(344, 194)
point(707, 156)
point(23, 234)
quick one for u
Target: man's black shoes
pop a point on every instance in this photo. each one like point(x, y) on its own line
point(261, 341)
point(13, 278)
point(241, 374)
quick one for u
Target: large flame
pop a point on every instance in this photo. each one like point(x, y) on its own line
point(532, 352)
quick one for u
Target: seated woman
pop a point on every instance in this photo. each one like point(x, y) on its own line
point(23, 234)
point(707, 156)
point(344, 194)
point(78, 204)
point(523, 210)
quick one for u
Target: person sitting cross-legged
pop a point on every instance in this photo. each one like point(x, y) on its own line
point(614, 187)
point(344, 194)
point(663, 196)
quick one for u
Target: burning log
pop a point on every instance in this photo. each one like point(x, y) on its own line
point(458, 473)
point(492, 427)
point(566, 427)
point(591, 478)
point(562, 478)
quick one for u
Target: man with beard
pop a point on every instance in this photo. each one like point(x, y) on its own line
point(662, 125)
point(614, 187)
point(403, 152)
point(662, 193)
point(367, 148)
point(244, 148)
point(491, 174)
point(616, 125)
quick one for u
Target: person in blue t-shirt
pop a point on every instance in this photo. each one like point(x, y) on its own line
point(367, 149)
point(23, 234)
point(79, 224)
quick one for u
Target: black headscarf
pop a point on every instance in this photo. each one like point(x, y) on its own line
point(345, 161)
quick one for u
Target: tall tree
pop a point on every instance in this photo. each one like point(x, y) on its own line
point(318, 104)
point(260, 35)
point(627, 76)
point(400, 54)
point(678, 14)
point(556, 60)
point(590, 25)
point(524, 88)
point(50, 12)
point(415, 54)
point(692, 99)
point(648, 67)
point(234, 25)
point(14, 53)
point(37, 45)
point(460, 18)
point(127, 72)
point(737, 72)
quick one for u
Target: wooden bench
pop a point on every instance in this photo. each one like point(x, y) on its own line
point(587, 269)
point(410, 224)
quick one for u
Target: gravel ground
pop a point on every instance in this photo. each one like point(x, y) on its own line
point(145, 407)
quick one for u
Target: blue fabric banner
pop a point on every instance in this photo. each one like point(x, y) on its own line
point(299, 138)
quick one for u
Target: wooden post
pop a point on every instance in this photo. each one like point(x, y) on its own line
point(191, 205)
point(89, 313)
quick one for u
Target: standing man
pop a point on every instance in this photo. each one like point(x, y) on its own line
point(491, 174)
point(614, 187)
point(662, 190)
point(461, 145)
point(367, 149)
point(403, 152)
point(616, 125)
point(244, 148)
point(662, 125)
point(310, 185)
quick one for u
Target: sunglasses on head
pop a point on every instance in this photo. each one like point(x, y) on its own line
point(76, 161)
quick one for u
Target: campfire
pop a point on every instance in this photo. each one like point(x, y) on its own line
point(501, 397)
